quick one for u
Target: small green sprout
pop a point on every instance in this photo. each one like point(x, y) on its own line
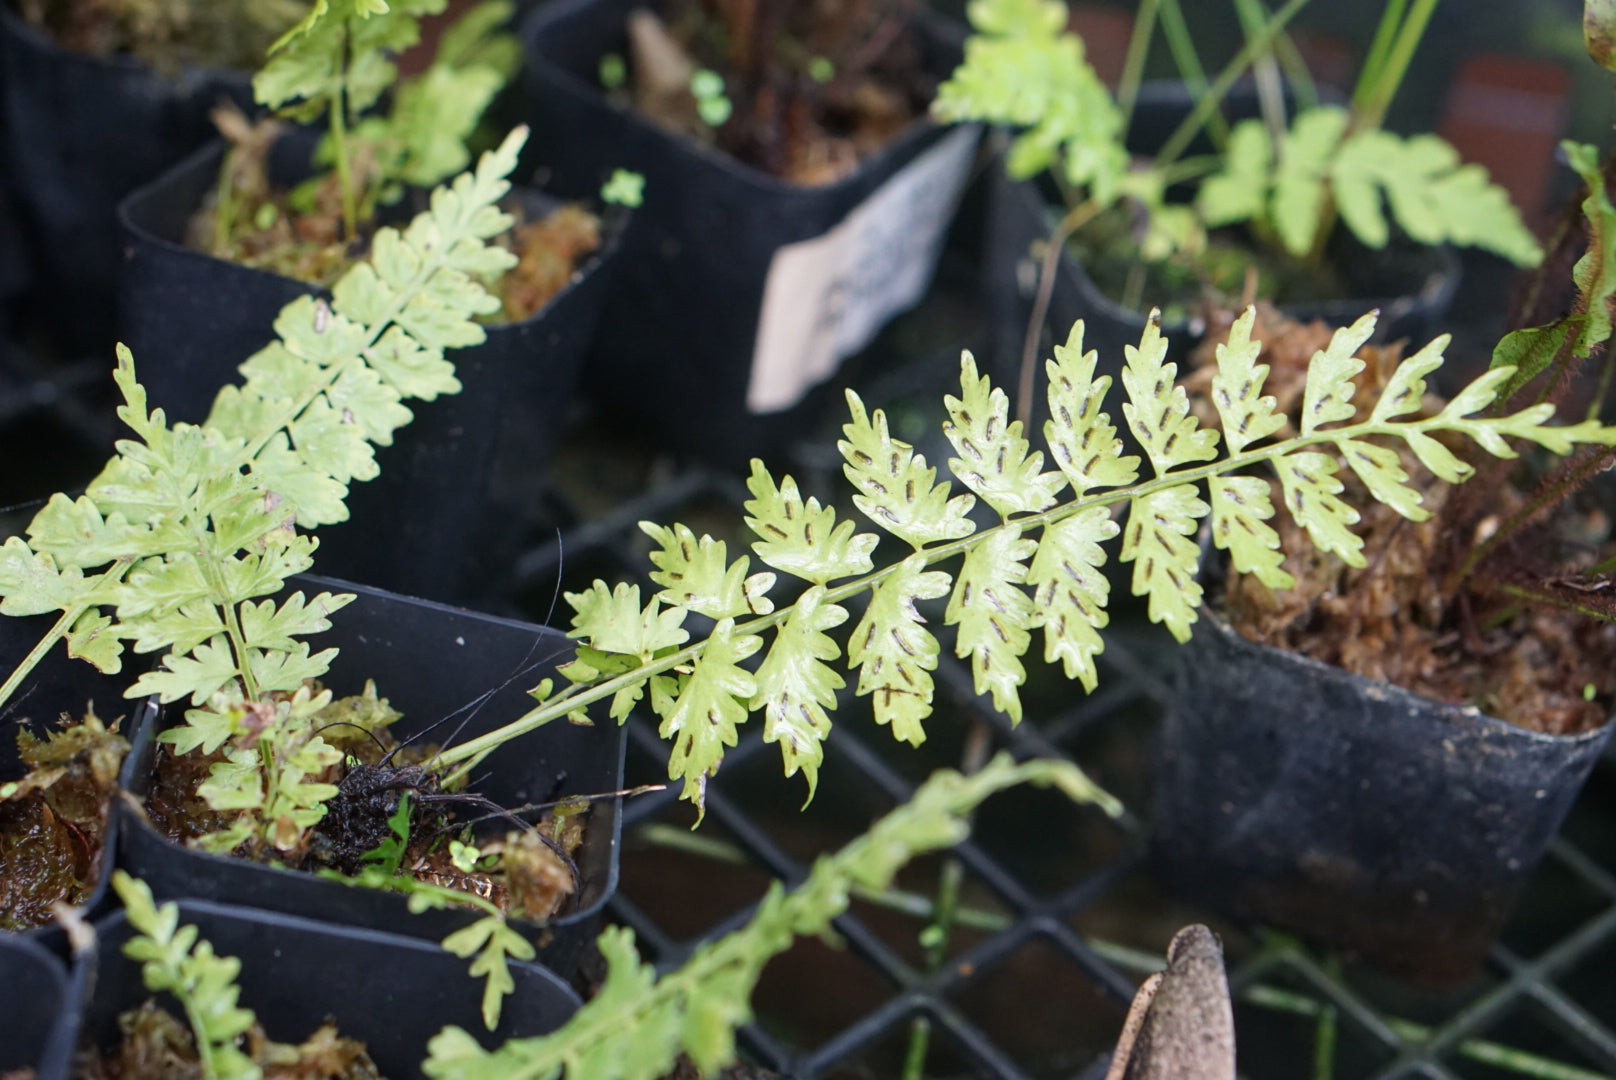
point(625, 188)
point(464, 856)
point(613, 71)
point(821, 69)
point(711, 104)
point(1589, 692)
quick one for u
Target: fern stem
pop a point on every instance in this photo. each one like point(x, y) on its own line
point(1074, 220)
point(1179, 141)
point(1133, 64)
point(59, 629)
point(1182, 45)
point(339, 141)
point(1378, 85)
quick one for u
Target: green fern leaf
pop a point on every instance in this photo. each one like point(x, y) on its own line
point(1159, 411)
point(1237, 387)
point(1534, 348)
point(94, 640)
point(1405, 390)
point(893, 651)
point(710, 706)
point(1158, 541)
point(1070, 591)
point(1241, 509)
point(993, 460)
point(31, 583)
point(1082, 440)
point(803, 539)
point(1022, 69)
point(492, 941)
point(1311, 489)
point(896, 488)
point(696, 574)
point(795, 684)
point(1239, 191)
point(75, 533)
point(1327, 396)
point(993, 613)
point(1382, 472)
point(1437, 199)
point(612, 621)
point(1299, 181)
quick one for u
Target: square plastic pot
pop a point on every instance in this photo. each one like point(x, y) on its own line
point(392, 993)
point(81, 132)
point(36, 1020)
point(429, 525)
point(1352, 811)
point(739, 293)
point(430, 662)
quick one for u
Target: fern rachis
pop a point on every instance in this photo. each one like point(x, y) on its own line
point(1053, 548)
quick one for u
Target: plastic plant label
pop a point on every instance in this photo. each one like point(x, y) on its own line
point(825, 298)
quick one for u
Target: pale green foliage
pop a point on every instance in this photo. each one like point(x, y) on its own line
point(340, 51)
point(1588, 324)
point(173, 543)
point(1022, 68)
point(1040, 568)
point(1322, 162)
point(173, 960)
point(637, 1024)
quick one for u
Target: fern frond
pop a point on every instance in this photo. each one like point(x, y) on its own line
point(1158, 410)
point(796, 684)
point(1070, 591)
point(802, 539)
point(894, 652)
point(1159, 541)
point(1081, 437)
point(1023, 69)
point(711, 704)
point(698, 576)
point(994, 461)
point(1237, 388)
point(697, 1008)
point(702, 693)
point(896, 487)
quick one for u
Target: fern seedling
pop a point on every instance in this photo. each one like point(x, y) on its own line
point(1038, 571)
point(637, 1024)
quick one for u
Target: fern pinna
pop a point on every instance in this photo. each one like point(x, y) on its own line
point(1037, 571)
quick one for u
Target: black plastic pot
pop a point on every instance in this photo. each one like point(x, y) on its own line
point(61, 686)
point(428, 525)
point(1363, 816)
point(430, 662)
point(80, 133)
point(739, 293)
point(1411, 285)
point(36, 1022)
point(392, 993)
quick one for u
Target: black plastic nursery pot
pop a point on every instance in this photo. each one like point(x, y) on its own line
point(1361, 815)
point(391, 993)
point(457, 485)
point(59, 687)
point(80, 133)
point(739, 294)
point(1410, 285)
point(432, 663)
point(36, 1020)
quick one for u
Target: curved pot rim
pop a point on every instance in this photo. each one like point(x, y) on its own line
point(614, 221)
point(1393, 694)
point(891, 154)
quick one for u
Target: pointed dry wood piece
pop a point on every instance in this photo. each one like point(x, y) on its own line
point(662, 73)
point(1181, 1024)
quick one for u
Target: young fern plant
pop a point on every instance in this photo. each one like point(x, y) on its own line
point(1037, 571)
point(638, 1024)
point(171, 546)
